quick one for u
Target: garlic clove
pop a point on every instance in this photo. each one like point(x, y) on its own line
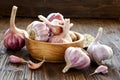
point(15, 59)
point(75, 58)
point(100, 69)
point(64, 37)
point(73, 36)
point(32, 65)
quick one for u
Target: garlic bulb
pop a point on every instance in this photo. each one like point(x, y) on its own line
point(14, 37)
point(75, 58)
point(97, 51)
point(100, 69)
point(64, 37)
point(38, 31)
point(53, 16)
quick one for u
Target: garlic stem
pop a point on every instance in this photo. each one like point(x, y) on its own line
point(66, 68)
point(12, 19)
point(100, 31)
point(41, 17)
point(66, 28)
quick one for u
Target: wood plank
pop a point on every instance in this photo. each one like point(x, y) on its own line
point(53, 71)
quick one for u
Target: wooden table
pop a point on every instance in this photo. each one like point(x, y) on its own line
point(53, 71)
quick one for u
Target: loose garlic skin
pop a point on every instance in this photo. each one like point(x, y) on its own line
point(97, 51)
point(75, 58)
point(38, 31)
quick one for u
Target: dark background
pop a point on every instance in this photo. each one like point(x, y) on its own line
point(69, 8)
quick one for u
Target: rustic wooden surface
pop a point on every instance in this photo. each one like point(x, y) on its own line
point(69, 8)
point(53, 71)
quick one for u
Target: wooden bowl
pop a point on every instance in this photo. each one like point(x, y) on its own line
point(52, 52)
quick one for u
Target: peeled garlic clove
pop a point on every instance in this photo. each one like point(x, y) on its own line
point(100, 69)
point(14, 37)
point(97, 51)
point(38, 31)
point(75, 58)
point(32, 65)
point(15, 59)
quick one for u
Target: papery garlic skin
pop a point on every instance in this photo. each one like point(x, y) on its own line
point(38, 31)
point(64, 37)
point(75, 58)
point(14, 37)
point(99, 52)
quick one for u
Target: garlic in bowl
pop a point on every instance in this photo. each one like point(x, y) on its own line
point(52, 52)
point(57, 38)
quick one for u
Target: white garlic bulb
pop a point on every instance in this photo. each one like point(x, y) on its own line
point(97, 51)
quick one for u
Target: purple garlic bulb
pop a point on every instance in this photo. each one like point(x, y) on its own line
point(14, 37)
point(75, 58)
point(38, 31)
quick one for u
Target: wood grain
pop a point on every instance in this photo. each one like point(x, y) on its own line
point(53, 71)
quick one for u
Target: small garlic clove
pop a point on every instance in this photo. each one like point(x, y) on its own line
point(15, 59)
point(100, 69)
point(32, 65)
point(73, 36)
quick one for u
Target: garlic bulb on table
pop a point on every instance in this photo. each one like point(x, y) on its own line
point(64, 37)
point(14, 37)
point(38, 31)
point(97, 51)
point(75, 58)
